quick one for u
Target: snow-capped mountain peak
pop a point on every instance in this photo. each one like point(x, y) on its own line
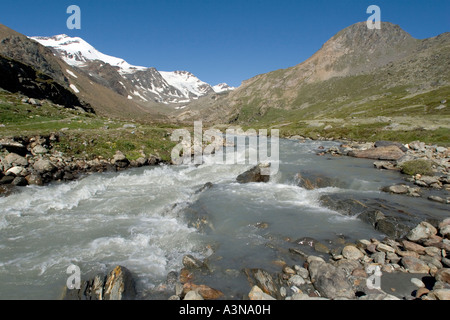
point(145, 84)
point(187, 83)
point(222, 87)
point(77, 52)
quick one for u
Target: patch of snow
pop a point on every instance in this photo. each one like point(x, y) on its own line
point(74, 88)
point(71, 73)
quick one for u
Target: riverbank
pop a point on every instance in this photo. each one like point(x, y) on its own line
point(414, 268)
point(37, 160)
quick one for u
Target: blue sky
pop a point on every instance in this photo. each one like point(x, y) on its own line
point(219, 41)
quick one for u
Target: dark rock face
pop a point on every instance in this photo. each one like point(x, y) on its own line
point(384, 217)
point(36, 85)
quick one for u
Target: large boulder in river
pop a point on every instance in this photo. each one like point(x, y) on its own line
point(254, 175)
point(391, 152)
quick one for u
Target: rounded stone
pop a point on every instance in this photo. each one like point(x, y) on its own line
point(352, 253)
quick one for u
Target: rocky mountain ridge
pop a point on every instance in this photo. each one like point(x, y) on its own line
point(133, 82)
point(358, 72)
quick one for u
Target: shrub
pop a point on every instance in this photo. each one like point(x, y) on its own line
point(414, 167)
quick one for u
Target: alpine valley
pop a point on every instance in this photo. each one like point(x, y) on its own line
point(357, 209)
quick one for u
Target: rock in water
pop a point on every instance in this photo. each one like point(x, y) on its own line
point(391, 152)
point(119, 285)
point(254, 175)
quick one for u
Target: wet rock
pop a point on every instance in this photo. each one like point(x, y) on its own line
point(397, 189)
point(206, 186)
point(320, 247)
point(186, 275)
point(119, 285)
point(330, 281)
point(255, 174)
point(192, 263)
point(311, 180)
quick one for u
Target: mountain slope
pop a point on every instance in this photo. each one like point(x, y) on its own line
point(357, 73)
point(133, 82)
point(20, 48)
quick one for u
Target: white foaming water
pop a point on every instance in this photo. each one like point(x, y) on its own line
point(98, 222)
point(139, 219)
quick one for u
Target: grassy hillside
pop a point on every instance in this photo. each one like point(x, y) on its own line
point(83, 135)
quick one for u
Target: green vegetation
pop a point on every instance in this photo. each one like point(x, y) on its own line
point(414, 167)
point(83, 135)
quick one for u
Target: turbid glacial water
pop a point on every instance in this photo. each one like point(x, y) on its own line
point(140, 219)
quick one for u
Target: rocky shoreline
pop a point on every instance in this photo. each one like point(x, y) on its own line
point(35, 161)
point(426, 166)
point(364, 270)
point(350, 271)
